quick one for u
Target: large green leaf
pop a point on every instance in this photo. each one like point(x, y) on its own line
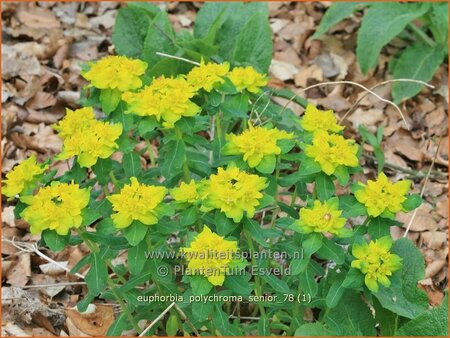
point(130, 30)
point(433, 322)
point(160, 38)
point(403, 296)
point(313, 329)
point(230, 24)
point(97, 275)
point(254, 44)
point(351, 317)
point(337, 12)
point(382, 22)
point(418, 62)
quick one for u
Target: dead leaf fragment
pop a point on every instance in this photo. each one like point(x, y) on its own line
point(93, 324)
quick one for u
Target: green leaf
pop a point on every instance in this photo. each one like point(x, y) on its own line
point(312, 243)
point(135, 233)
point(255, 231)
point(439, 22)
point(342, 174)
point(118, 326)
point(351, 207)
point(238, 284)
point(335, 14)
point(235, 105)
point(189, 216)
point(335, 294)
point(160, 38)
point(267, 164)
point(137, 258)
point(313, 329)
point(308, 283)
point(331, 251)
point(309, 166)
point(109, 100)
point(263, 326)
point(97, 274)
point(172, 325)
point(417, 62)
point(102, 169)
point(200, 285)
point(54, 241)
point(382, 22)
point(433, 322)
point(77, 173)
point(354, 279)
point(386, 319)
point(132, 165)
point(277, 284)
point(147, 125)
point(129, 31)
point(254, 44)
point(403, 296)
point(89, 216)
point(324, 186)
point(224, 225)
point(297, 266)
point(351, 317)
point(380, 227)
point(412, 202)
point(202, 310)
point(173, 160)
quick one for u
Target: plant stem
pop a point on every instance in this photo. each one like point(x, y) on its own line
point(186, 172)
point(421, 35)
point(114, 181)
point(151, 154)
point(258, 290)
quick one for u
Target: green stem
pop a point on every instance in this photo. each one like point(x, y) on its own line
point(258, 290)
point(277, 176)
point(114, 181)
point(151, 154)
point(421, 35)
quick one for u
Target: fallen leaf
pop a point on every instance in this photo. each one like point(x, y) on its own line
point(423, 220)
point(95, 323)
point(368, 117)
point(312, 72)
point(283, 70)
point(20, 272)
point(54, 269)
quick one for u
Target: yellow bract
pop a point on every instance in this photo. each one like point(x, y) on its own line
point(136, 202)
point(23, 177)
point(255, 143)
point(322, 217)
point(233, 192)
point(319, 120)
point(381, 195)
point(331, 151)
point(116, 72)
point(186, 192)
point(247, 78)
point(210, 255)
point(56, 207)
point(207, 75)
point(86, 137)
point(166, 99)
point(376, 262)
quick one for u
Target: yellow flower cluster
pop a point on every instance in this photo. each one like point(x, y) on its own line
point(86, 137)
point(315, 120)
point(186, 193)
point(210, 255)
point(247, 78)
point(233, 192)
point(376, 262)
point(331, 151)
point(255, 144)
point(381, 195)
point(168, 99)
point(116, 72)
point(56, 207)
point(322, 217)
point(136, 202)
point(23, 178)
point(206, 76)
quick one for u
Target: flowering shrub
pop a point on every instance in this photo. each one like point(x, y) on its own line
point(213, 190)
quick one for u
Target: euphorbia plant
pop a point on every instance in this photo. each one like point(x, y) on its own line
point(233, 173)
